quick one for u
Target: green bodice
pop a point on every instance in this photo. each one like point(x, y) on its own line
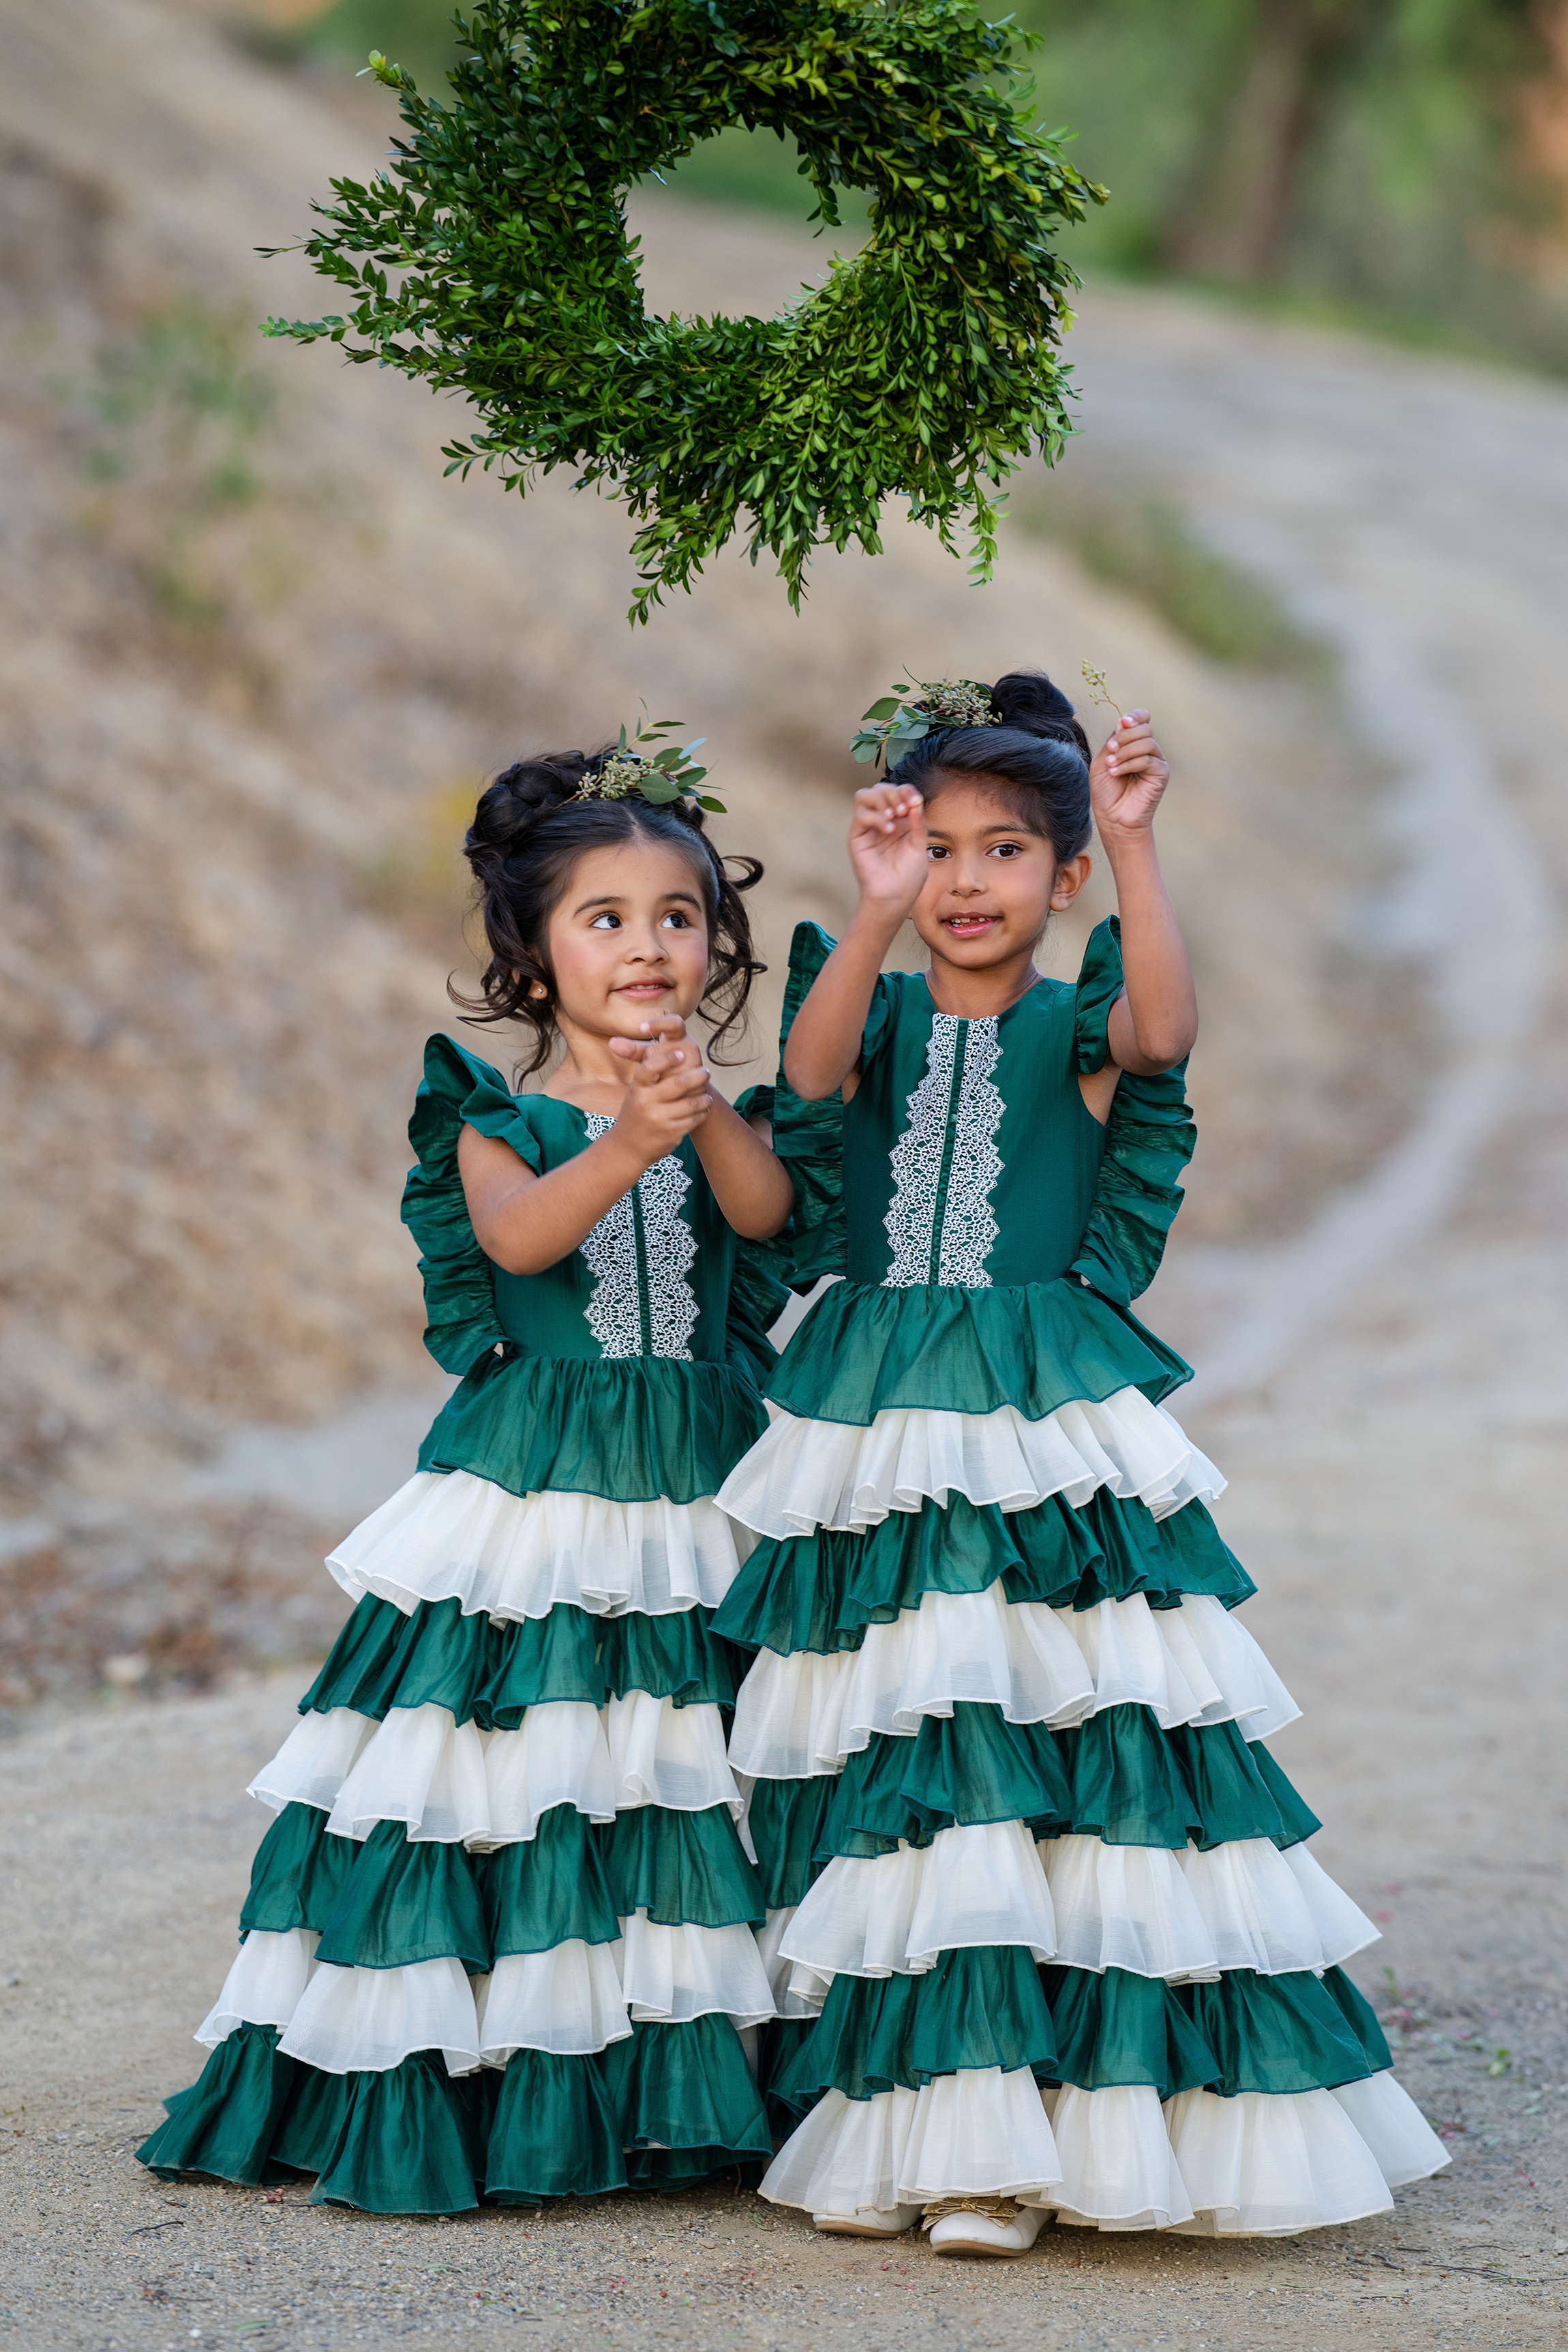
point(969, 1156)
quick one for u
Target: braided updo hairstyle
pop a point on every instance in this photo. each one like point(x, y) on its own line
point(1038, 753)
point(528, 832)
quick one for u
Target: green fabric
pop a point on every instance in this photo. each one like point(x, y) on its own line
point(299, 1873)
point(683, 1869)
point(627, 1428)
point(675, 1657)
point(685, 2103)
point(554, 2134)
point(401, 2145)
point(551, 1889)
point(478, 1670)
point(973, 1766)
point(1133, 1784)
point(778, 2044)
point(866, 1350)
point(473, 1304)
point(820, 1592)
point(787, 1819)
point(314, 2122)
point(1360, 2017)
point(1118, 2029)
point(1071, 1196)
point(407, 1902)
point(759, 1285)
point(1278, 2034)
point(225, 2125)
point(974, 2009)
point(488, 1673)
point(1297, 1819)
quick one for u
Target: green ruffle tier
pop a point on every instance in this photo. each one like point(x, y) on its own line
point(685, 2103)
point(993, 2007)
point(683, 1869)
point(820, 1592)
point(1118, 1777)
point(626, 1428)
point(974, 2009)
point(487, 1673)
point(1278, 2036)
point(390, 1900)
point(970, 1766)
point(408, 2141)
point(788, 1823)
point(863, 1351)
point(553, 2133)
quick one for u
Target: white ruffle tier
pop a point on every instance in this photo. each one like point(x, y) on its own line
point(1087, 1905)
point(449, 1534)
point(1188, 1914)
point(570, 2001)
point(982, 2133)
point(797, 1990)
point(802, 1475)
point(802, 1715)
point(898, 1913)
point(452, 1783)
point(1114, 2160)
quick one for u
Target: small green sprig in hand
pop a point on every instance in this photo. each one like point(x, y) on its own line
point(1100, 692)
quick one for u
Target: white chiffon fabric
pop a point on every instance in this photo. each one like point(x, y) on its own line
point(981, 2133)
point(570, 2001)
point(367, 2020)
point(1114, 2160)
point(797, 1990)
point(1186, 1915)
point(452, 1783)
point(802, 1475)
point(898, 1913)
point(801, 1715)
point(450, 1535)
point(672, 1974)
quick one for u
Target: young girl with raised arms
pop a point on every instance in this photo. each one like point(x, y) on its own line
point(499, 1938)
point(1029, 1864)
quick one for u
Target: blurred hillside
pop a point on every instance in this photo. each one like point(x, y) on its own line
point(255, 657)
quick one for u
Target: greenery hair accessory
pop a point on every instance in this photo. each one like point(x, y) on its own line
point(665, 776)
point(492, 260)
point(909, 713)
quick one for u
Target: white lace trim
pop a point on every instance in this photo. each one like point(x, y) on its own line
point(924, 1153)
point(614, 1313)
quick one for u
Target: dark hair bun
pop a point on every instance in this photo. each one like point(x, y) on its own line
point(1027, 699)
point(520, 795)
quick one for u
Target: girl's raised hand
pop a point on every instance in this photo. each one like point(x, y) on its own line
point(1128, 780)
point(888, 845)
point(668, 1095)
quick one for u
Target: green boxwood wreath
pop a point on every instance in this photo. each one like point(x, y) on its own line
point(492, 260)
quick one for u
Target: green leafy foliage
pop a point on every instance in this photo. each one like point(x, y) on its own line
point(493, 261)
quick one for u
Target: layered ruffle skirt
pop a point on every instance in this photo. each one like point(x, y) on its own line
point(1042, 1918)
point(501, 1937)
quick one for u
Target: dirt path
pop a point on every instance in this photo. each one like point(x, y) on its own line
point(1396, 1489)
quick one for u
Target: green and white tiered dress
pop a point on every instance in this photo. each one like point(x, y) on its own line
point(1023, 1846)
point(499, 1938)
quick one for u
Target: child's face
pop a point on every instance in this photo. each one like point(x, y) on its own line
point(992, 884)
point(628, 938)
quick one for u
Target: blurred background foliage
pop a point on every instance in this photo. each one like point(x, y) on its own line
point(1402, 163)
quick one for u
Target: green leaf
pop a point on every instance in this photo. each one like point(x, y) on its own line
point(883, 710)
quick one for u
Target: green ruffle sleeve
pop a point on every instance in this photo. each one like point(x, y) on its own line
point(1148, 1140)
point(457, 1090)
